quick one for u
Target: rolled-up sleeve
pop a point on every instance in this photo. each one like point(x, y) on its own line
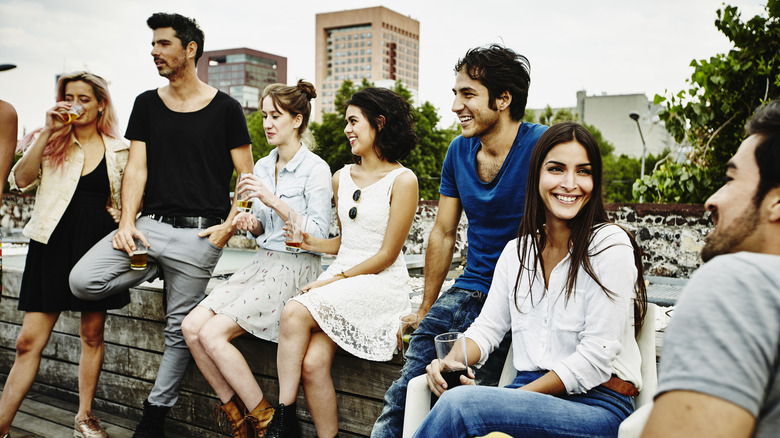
point(318, 194)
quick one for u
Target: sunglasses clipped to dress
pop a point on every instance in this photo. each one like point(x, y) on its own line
point(353, 210)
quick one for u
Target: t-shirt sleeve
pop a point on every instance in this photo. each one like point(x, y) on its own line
point(237, 132)
point(447, 185)
point(138, 125)
point(723, 336)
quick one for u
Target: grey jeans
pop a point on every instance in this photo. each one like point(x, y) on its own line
point(185, 260)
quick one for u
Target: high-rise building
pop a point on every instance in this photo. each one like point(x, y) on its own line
point(242, 73)
point(373, 43)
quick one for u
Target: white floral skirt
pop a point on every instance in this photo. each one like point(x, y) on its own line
point(255, 295)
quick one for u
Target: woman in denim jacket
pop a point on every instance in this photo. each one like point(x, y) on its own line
point(76, 160)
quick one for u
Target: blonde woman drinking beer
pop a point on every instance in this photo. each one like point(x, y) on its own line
point(76, 160)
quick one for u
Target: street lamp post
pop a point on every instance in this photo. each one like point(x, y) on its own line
point(635, 117)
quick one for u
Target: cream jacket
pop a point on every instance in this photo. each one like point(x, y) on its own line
point(58, 185)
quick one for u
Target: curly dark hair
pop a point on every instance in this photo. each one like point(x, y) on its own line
point(187, 29)
point(391, 117)
point(499, 69)
point(766, 123)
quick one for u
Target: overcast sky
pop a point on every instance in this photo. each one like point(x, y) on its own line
point(607, 46)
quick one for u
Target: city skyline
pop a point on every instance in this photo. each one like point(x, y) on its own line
point(616, 47)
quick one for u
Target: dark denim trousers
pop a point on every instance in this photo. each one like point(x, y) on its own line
point(454, 311)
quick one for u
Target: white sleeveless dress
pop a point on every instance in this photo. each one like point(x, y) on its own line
point(360, 314)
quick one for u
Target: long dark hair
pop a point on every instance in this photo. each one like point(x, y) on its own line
point(591, 218)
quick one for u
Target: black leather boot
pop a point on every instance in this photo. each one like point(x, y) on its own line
point(152, 424)
point(284, 423)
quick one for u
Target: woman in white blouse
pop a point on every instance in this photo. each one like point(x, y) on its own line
point(569, 288)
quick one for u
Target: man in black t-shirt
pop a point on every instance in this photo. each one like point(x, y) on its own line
point(186, 139)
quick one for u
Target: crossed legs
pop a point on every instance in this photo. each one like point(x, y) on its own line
point(209, 337)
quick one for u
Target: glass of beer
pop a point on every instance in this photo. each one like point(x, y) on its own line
point(409, 324)
point(297, 227)
point(74, 112)
point(244, 199)
point(138, 259)
point(451, 351)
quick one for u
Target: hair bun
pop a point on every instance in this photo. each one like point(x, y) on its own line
point(307, 88)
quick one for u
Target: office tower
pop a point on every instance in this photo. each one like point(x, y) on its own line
point(373, 43)
point(242, 73)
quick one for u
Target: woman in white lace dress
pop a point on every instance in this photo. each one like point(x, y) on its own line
point(356, 303)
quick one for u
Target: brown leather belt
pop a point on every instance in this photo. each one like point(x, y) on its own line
point(620, 386)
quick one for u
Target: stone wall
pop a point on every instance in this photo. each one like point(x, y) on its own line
point(671, 235)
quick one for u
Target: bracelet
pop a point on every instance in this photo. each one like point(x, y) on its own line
point(341, 274)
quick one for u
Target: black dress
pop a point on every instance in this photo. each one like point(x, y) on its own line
point(45, 280)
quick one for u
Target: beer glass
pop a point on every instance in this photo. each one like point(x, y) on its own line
point(451, 351)
point(408, 325)
point(244, 199)
point(74, 112)
point(297, 227)
point(138, 259)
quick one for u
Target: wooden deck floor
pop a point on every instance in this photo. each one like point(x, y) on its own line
point(48, 417)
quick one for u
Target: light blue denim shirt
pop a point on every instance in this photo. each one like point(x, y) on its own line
point(304, 184)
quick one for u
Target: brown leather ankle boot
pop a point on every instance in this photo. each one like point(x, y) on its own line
point(234, 411)
point(257, 420)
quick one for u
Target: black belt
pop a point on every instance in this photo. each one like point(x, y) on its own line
point(186, 221)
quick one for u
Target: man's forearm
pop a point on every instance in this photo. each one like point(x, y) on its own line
point(133, 185)
point(438, 259)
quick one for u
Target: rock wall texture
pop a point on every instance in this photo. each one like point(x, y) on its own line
point(671, 235)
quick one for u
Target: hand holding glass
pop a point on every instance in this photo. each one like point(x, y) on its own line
point(138, 259)
point(408, 325)
point(297, 227)
point(451, 351)
point(74, 112)
point(244, 199)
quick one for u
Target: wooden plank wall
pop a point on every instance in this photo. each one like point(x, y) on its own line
point(134, 344)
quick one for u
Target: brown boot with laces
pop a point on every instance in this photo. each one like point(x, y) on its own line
point(232, 414)
point(258, 419)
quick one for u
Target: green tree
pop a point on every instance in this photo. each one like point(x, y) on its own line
point(619, 173)
point(711, 114)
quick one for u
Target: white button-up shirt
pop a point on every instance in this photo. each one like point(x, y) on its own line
point(304, 184)
point(585, 340)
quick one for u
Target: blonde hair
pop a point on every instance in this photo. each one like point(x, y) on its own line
point(107, 123)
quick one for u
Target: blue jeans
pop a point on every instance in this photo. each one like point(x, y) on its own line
point(454, 311)
point(468, 411)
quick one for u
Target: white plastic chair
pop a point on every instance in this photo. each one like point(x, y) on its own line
point(418, 395)
point(632, 426)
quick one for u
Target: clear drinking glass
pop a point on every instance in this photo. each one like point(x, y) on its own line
point(409, 324)
point(451, 351)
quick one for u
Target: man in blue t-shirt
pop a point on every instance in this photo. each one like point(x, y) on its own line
point(484, 175)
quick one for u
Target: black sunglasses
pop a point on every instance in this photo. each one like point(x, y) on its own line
point(353, 210)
